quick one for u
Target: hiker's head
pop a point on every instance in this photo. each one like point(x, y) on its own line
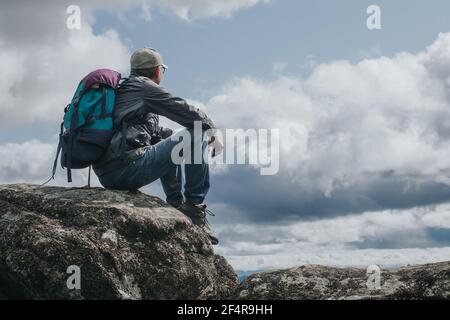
point(148, 62)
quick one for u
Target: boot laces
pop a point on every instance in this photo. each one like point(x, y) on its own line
point(208, 211)
point(201, 214)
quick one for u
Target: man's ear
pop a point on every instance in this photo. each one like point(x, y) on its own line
point(158, 72)
point(155, 75)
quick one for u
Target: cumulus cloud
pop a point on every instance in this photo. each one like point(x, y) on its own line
point(42, 80)
point(351, 131)
point(195, 9)
point(187, 10)
point(24, 162)
point(31, 162)
point(42, 61)
point(388, 238)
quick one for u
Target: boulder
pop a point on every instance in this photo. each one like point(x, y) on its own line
point(93, 243)
point(314, 282)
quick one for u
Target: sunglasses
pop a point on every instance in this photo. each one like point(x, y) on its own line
point(164, 68)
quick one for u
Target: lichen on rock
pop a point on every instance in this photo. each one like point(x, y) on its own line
point(128, 245)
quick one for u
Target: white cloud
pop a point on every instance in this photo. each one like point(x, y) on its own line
point(187, 10)
point(346, 121)
point(346, 124)
point(335, 241)
point(195, 9)
point(42, 81)
point(42, 61)
point(32, 161)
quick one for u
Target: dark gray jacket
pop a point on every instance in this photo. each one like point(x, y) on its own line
point(139, 102)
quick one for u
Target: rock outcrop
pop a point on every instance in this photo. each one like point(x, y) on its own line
point(127, 245)
point(313, 282)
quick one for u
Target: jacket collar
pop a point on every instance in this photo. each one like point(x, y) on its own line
point(133, 73)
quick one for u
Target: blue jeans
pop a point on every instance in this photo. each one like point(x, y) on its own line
point(156, 163)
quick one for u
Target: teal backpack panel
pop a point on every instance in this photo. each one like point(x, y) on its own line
point(90, 108)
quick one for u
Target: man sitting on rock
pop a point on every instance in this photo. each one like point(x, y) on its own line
point(141, 151)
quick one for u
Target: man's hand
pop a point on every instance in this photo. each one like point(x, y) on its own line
point(216, 145)
point(165, 132)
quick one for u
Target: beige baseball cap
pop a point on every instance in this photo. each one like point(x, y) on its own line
point(146, 58)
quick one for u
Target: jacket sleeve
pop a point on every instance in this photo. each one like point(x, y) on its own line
point(158, 100)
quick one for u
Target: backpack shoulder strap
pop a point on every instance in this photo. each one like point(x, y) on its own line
point(71, 134)
point(58, 151)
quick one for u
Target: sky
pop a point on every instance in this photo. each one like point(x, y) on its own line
point(364, 115)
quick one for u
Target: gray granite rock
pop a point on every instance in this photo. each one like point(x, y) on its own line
point(128, 245)
point(313, 282)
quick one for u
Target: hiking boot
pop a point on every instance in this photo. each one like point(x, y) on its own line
point(197, 213)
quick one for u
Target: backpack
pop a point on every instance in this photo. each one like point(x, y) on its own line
point(87, 129)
